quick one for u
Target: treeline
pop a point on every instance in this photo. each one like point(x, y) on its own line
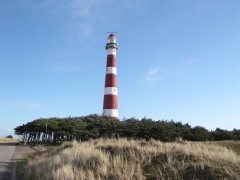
point(95, 126)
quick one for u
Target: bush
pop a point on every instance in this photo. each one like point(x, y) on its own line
point(9, 136)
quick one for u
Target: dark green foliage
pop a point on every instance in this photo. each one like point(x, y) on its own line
point(9, 136)
point(220, 134)
point(94, 126)
point(199, 134)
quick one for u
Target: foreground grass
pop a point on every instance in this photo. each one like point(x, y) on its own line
point(20, 167)
point(123, 159)
point(21, 163)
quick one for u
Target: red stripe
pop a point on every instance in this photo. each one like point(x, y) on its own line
point(111, 80)
point(111, 61)
point(110, 101)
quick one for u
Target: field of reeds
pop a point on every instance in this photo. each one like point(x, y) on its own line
point(135, 159)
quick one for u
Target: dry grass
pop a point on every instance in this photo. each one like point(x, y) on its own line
point(9, 140)
point(123, 159)
point(230, 144)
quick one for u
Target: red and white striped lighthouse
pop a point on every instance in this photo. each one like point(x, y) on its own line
point(110, 101)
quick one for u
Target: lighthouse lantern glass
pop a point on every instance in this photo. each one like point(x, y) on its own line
point(111, 39)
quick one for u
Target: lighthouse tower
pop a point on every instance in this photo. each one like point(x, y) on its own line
point(110, 101)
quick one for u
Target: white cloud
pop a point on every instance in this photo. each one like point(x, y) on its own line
point(152, 74)
point(84, 16)
point(85, 8)
point(158, 73)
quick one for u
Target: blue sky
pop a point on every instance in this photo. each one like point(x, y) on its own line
point(177, 59)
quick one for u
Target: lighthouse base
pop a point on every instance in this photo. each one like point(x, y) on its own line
point(111, 113)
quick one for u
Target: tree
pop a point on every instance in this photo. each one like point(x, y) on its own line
point(220, 134)
point(9, 136)
point(200, 134)
point(94, 126)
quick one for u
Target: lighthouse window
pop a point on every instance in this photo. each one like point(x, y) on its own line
point(114, 104)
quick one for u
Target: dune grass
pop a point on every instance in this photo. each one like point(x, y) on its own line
point(132, 159)
point(231, 144)
point(9, 140)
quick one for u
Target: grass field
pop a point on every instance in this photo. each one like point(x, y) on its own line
point(8, 140)
point(130, 159)
point(233, 145)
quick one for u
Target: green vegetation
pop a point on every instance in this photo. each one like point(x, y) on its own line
point(20, 170)
point(21, 163)
point(95, 126)
point(135, 159)
point(9, 136)
point(154, 150)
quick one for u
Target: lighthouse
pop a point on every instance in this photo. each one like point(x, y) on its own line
point(110, 101)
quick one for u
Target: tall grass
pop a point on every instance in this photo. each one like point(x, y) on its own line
point(130, 159)
point(9, 140)
point(230, 144)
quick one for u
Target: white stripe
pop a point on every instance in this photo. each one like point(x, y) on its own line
point(111, 70)
point(110, 112)
point(111, 51)
point(111, 90)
